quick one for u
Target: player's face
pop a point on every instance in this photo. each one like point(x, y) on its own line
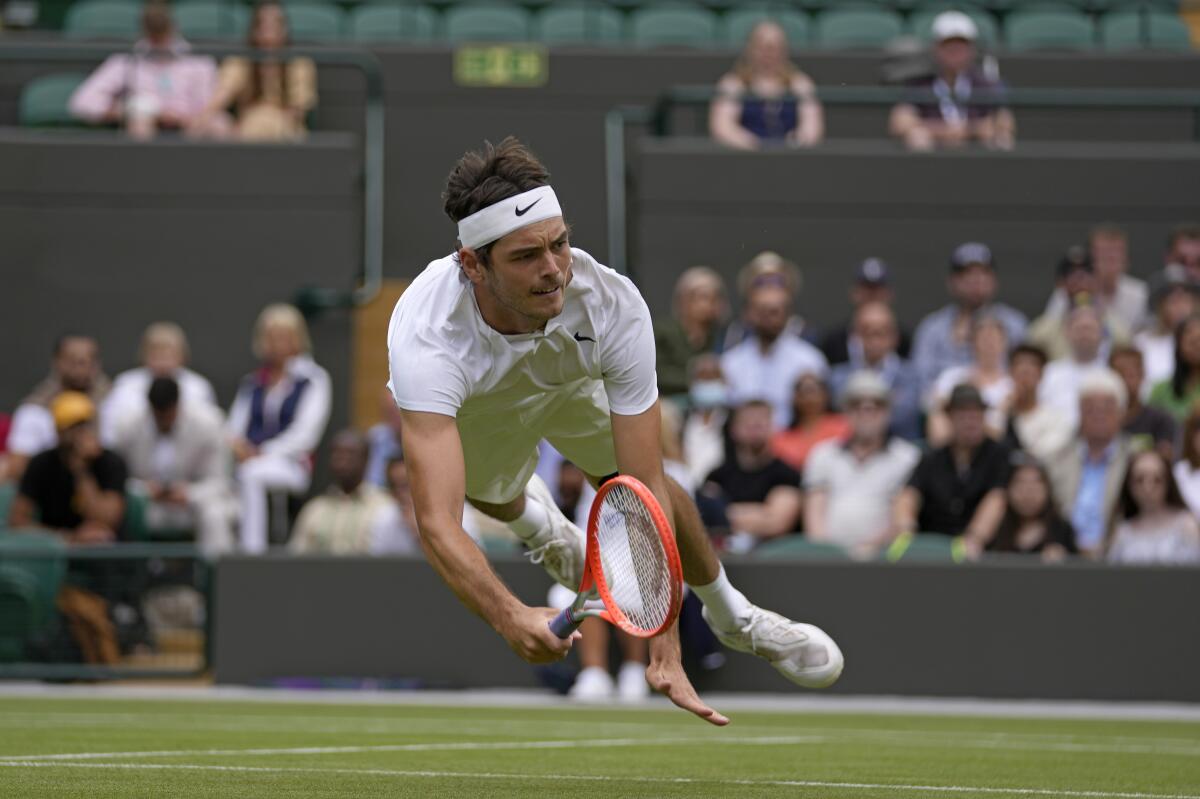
point(529, 269)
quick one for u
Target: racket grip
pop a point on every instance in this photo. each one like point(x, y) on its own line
point(565, 623)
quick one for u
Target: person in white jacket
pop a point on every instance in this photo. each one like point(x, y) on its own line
point(277, 418)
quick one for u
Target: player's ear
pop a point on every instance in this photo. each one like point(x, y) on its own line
point(471, 265)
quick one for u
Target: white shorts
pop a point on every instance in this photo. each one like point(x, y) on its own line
point(501, 450)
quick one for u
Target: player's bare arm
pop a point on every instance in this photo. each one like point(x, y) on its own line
point(434, 455)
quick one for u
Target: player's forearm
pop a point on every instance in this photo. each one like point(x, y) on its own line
point(464, 568)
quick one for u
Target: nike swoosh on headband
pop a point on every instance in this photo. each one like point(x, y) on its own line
point(521, 211)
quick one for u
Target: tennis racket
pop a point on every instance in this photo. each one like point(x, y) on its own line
point(631, 564)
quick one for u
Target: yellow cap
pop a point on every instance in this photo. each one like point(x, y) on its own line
point(70, 408)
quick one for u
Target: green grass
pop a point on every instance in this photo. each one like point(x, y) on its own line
point(256, 749)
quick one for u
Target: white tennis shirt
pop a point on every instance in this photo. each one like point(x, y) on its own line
point(446, 359)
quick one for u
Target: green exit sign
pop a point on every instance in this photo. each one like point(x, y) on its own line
point(494, 65)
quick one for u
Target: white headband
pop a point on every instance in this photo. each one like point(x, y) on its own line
point(488, 224)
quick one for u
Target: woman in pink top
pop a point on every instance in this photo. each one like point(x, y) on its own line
point(813, 421)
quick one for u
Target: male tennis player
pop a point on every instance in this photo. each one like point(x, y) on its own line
point(516, 337)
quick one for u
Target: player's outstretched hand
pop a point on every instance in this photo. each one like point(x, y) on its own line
point(528, 633)
point(669, 679)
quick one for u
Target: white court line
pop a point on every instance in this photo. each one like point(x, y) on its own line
point(487, 775)
point(572, 743)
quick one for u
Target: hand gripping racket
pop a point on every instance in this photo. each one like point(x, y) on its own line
point(631, 562)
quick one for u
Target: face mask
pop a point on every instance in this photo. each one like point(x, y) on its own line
point(708, 394)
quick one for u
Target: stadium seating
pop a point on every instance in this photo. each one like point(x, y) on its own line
point(925, 547)
point(44, 104)
point(202, 19)
point(579, 23)
point(1049, 30)
point(1131, 30)
point(386, 22)
point(921, 24)
point(487, 23)
point(673, 26)
point(739, 22)
point(857, 28)
point(798, 547)
point(315, 22)
point(32, 568)
point(103, 19)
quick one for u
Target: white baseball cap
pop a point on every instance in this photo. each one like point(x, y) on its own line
point(954, 25)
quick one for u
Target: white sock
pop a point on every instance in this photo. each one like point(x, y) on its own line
point(727, 607)
point(532, 521)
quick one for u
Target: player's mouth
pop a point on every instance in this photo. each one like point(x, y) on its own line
point(546, 292)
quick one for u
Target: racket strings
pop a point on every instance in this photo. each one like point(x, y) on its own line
point(633, 560)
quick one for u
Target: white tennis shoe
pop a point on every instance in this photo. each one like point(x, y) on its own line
point(593, 684)
point(557, 548)
point(801, 652)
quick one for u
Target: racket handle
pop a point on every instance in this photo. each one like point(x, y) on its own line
point(565, 623)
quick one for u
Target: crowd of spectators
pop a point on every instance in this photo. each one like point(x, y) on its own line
point(161, 86)
point(1012, 437)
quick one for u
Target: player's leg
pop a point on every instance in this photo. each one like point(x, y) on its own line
point(594, 683)
point(804, 654)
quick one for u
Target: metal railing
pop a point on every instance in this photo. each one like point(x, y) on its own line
point(311, 299)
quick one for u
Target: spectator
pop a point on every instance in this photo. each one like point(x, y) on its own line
point(942, 339)
point(701, 310)
point(851, 487)
point(872, 286)
point(1031, 523)
point(1148, 427)
point(277, 418)
point(1087, 473)
point(1034, 426)
point(5, 425)
point(873, 348)
point(988, 372)
point(958, 489)
point(1179, 395)
point(704, 428)
point(762, 492)
point(766, 100)
point(395, 529)
point(954, 117)
point(769, 269)
point(384, 440)
point(270, 97)
point(1173, 298)
point(813, 421)
point(1187, 469)
point(160, 86)
point(767, 364)
point(75, 367)
point(343, 520)
point(77, 488)
point(164, 353)
point(1120, 296)
point(1183, 247)
point(1088, 351)
point(1153, 523)
point(1077, 284)
point(178, 459)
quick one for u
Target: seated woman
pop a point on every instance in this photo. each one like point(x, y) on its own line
point(1152, 524)
point(277, 418)
point(988, 372)
point(766, 99)
point(1032, 524)
point(269, 97)
point(813, 421)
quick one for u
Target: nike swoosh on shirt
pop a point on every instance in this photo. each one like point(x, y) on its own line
point(522, 211)
point(580, 337)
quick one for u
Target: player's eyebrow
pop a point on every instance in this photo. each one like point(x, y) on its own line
point(537, 247)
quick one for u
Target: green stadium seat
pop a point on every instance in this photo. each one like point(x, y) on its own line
point(1049, 30)
point(369, 23)
point(8, 491)
point(1131, 30)
point(315, 22)
point(921, 23)
point(925, 547)
point(43, 103)
point(32, 568)
point(103, 19)
point(855, 28)
point(579, 23)
point(673, 26)
point(740, 22)
point(798, 547)
point(482, 23)
point(202, 19)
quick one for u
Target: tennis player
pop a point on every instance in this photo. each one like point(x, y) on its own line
point(516, 337)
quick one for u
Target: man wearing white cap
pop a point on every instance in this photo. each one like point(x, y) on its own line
point(516, 337)
point(954, 116)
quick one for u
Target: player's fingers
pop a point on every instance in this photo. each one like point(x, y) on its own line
point(689, 701)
